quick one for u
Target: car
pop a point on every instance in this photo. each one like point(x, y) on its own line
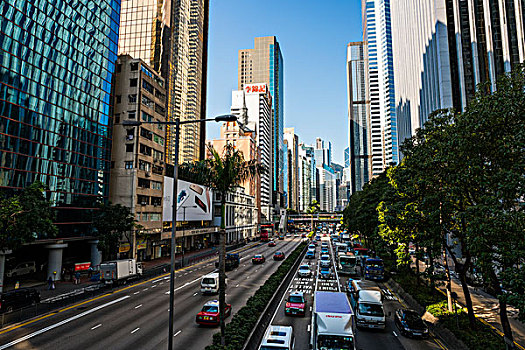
point(258, 259)
point(325, 260)
point(410, 323)
point(18, 298)
point(324, 250)
point(317, 238)
point(310, 254)
point(278, 255)
point(20, 269)
point(325, 272)
point(296, 235)
point(315, 243)
point(324, 244)
point(209, 315)
point(304, 271)
point(271, 244)
point(288, 235)
point(281, 237)
point(295, 304)
point(311, 247)
point(303, 235)
point(278, 338)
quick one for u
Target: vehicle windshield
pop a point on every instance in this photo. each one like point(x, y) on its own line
point(325, 257)
point(208, 280)
point(371, 310)
point(413, 319)
point(278, 253)
point(375, 263)
point(335, 342)
point(210, 308)
point(325, 269)
point(347, 260)
point(304, 268)
point(295, 299)
point(258, 256)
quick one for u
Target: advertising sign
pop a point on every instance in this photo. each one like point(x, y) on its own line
point(194, 202)
point(255, 88)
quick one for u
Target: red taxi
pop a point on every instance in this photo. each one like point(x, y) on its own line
point(209, 315)
point(295, 304)
point(258, 259)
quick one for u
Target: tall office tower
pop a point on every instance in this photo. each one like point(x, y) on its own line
point(56, 67)
point(486, 39)
point(377, 33)
point(309, 152)
point(359, 154)
point(172, 37)
point(305, 163)
point(327, 188)
point(421, 62)
point(292, 140)
point(264, 64)
point(253, 106)
point(323, 152)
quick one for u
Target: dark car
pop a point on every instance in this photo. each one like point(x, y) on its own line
point(258, 259)
point(410, 323)
point(278, 256)
point(18, 298)
point(271, 244)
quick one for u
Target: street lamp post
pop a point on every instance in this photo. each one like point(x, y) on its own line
point(184, 229)
point(177, 122)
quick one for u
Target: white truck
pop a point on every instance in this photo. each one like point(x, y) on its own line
point(119, 271)
point(332, 322)
point(367, 301)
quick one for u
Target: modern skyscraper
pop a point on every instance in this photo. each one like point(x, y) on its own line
point(264, 64)
point(306, 185)
point(253, 106)
point(377, 33)
point(57, 61)
point(292, 140)
point(172, 37)
point(359, 157)
point(327, 188)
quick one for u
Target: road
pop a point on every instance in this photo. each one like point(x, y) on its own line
point(136, 317)
point(365, 339)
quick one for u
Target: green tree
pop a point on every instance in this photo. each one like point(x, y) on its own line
point(25, 217)
point(112, 222)
point(313, 209)
point(224, 173)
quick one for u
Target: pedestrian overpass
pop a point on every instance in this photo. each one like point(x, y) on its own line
point(317, 218)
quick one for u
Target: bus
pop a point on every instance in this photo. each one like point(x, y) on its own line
point(347, 264)
point(266, 232)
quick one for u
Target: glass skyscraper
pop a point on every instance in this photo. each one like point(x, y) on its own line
point(264, 64)
point(57, 61)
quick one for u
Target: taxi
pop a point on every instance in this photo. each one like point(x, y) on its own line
point(295, 304)
point(209, 315)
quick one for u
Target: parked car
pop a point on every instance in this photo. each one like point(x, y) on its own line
point(18, 298)
point(304, 271)
point(272, 244)
point(278, 255)
point(410, 323)
point(209, 315)
point(20, 269)
point(258, 259)
point(295, 304)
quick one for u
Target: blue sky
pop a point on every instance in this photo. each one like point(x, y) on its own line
point(313, 37)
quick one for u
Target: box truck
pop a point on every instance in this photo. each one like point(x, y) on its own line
point(119, 271)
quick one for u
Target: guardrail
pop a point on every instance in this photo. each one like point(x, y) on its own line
point(255, 337)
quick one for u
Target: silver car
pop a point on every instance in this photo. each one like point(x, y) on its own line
point(304, 271)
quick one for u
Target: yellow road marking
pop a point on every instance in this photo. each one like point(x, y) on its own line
point(9, 329)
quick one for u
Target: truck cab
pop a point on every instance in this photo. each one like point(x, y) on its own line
point(374, 269)
point(367, 301)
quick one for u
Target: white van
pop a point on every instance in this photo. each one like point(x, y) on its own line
point(278, 338)
point(210, 283)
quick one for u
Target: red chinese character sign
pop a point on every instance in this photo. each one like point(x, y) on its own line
point(255, 88)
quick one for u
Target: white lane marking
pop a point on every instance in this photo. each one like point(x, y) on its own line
point(308, 328)
point(310, 309)
point(136, 293)
point(394, 333)
point(153, 286)
point(236, 286)
point(176, 334)
point(184, 285)
point(53, 326)
point(145, 289)
point(195, 294)
point(95, 327)
point(136, 307)
point(136, 329)
point(160, 279)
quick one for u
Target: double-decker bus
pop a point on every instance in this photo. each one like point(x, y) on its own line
point(266, 232)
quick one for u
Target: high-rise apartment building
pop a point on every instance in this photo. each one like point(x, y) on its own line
point(377, 33)
point(57, 61)
point(264, 64)
point(172, 37)
point(291, 139)
point(359, 153)
point(253, 106)
point(137, 153)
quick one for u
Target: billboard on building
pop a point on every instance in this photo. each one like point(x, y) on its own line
point(194, 202)
point(255, 88)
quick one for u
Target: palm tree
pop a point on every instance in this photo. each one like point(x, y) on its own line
point(224, 174)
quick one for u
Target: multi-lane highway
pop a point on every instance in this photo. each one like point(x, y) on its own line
point(136, 317)
point(365, 339)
